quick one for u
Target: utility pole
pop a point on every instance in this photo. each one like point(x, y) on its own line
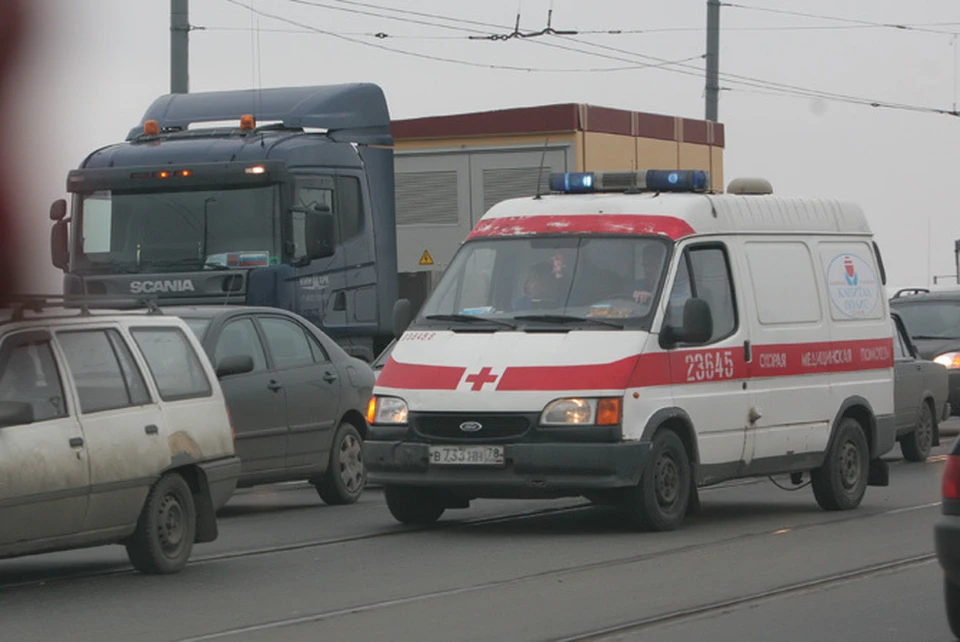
point(713, 59)
point(179, 47)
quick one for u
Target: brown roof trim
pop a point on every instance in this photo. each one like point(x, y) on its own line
point(568, 117)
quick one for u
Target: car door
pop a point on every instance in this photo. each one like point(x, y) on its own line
point(908, 383)
point(123, 427)
point(312, 385)
point(707, 380)
point(256, 400)
point(44, 474)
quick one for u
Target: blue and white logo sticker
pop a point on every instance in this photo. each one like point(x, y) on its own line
point(853, 286)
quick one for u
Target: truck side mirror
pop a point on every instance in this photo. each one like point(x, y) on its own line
point(321, 234)
point(58, 210)
point(402, 315)
point(60, 245)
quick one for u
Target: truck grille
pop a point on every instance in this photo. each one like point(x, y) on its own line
point(492, 426)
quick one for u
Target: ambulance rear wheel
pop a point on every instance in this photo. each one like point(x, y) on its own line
point(414, 506)
point(839, 484)
point(659, 502)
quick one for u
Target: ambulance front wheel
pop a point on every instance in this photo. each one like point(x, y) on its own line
point(659, 502)
point(841, 481)
point(411, 505)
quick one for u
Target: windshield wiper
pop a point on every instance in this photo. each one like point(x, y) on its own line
point(930, 337)
point(469, 318)
point(566, 318)
point(117, 267)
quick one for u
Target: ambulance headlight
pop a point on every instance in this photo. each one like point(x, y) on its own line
point(581, 411)
point(387, 411)
point(949, 360)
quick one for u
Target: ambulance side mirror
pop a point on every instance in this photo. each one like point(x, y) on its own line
point(697, 327)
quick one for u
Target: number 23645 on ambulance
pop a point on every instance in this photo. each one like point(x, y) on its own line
point(632, 337)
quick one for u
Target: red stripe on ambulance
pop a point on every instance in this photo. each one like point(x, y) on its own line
point(669, 226)
point(660, 368)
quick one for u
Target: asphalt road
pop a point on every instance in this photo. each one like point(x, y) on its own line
point(759, 563)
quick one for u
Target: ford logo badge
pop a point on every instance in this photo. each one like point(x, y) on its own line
point(470, 426)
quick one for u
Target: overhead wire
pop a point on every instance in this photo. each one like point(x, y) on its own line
point(609, 53)
point(852, 21)
point(469, 63)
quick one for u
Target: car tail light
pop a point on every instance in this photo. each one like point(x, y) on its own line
point(951, 478)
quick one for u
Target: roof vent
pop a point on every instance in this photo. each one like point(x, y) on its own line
point(750, 186)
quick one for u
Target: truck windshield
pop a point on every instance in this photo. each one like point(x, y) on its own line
point(552, 279)
point(126, 231)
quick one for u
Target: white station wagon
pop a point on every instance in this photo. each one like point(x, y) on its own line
point(113, 429)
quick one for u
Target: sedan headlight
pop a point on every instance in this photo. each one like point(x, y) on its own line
point(580, 411)
point(950, 360)
point(387, 411)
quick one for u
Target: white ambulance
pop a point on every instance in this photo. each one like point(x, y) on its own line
point(633, 338)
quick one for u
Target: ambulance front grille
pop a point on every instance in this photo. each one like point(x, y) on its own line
point(464, 427)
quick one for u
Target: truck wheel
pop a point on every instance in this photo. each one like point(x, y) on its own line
point(416, 506)
point(346, 476)
point(916, 446)
point(166, 529)
point(840, 482)
point(659, 502)
point(951, 595)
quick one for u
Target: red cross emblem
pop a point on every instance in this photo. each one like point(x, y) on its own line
point(480, 379)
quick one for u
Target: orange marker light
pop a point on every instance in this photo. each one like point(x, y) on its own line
point(163, 174)
point(184, 173)
point(247, 122)
point(151, 128)
point(608, 412)
point(371, 410)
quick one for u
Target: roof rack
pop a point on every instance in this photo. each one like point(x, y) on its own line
point(20, 303)
point(910, 292)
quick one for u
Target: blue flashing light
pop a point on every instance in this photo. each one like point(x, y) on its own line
point(572, 182)
point(683, 180)
point(651, 180)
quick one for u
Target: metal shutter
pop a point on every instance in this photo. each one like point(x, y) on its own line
point(426, 197)
point(512, 182)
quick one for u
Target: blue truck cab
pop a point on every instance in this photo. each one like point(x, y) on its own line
point(290, 204)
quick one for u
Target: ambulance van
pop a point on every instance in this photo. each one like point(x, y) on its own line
point(632, 337)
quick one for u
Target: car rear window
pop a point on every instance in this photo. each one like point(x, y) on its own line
point(173, 362)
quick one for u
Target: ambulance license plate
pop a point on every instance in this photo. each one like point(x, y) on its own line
point(467, 455)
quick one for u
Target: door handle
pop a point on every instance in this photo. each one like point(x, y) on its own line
point(273, 385)
point(151, 429)
point(329, 377)
point(76, 442)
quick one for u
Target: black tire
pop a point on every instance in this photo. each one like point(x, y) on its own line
point(839, 484)
point(916, 446)
point(166, 530)
point(659, 502)
point(951, 596)
point(346, 476)
point(415, 506)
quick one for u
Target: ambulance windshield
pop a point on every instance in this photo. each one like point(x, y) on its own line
point(586, 277)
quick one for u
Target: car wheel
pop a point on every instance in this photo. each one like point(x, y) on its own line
point(659, 502)
point(346, 476)
point(416, 506)
point(166, 529)
point(839, 484)
point(916, 445)
point(951, 594)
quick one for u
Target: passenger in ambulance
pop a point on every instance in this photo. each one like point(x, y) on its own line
point(645, 286)
point(539, 289)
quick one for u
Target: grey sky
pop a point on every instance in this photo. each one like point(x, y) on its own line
point(95, 65)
